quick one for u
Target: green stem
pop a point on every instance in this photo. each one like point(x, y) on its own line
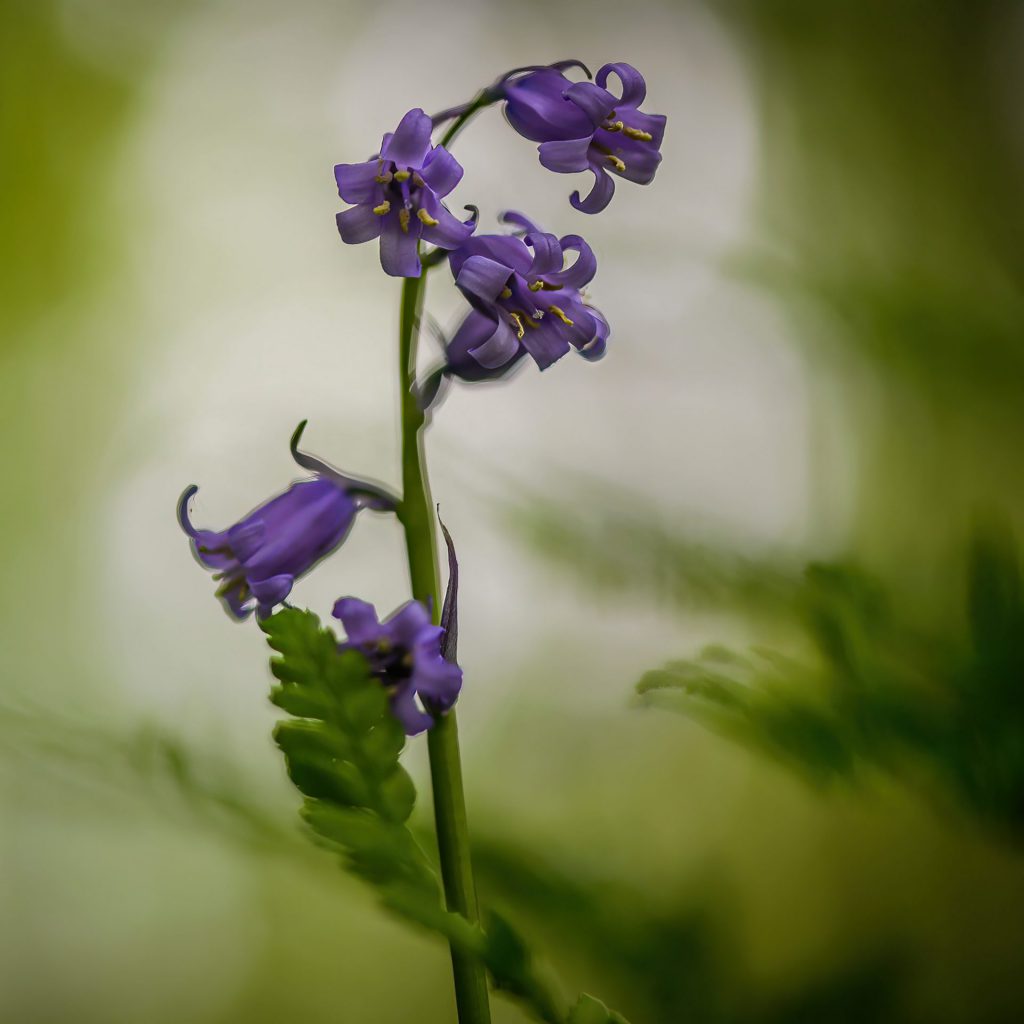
point(417, 516)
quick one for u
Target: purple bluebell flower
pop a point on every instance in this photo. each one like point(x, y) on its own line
point(404, 652)
point(397, 197)
point(257, 561)
point(525, 301)
point(582, 126)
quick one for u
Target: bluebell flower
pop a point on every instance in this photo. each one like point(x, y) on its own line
point(257, 561)
point(525, 301)
point(398, 195)
point(404, 653)
point(583, 126)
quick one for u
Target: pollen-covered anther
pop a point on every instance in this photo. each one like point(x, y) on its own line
point(615, 126)
point(426, 219)
point(417, 180)
point(536, 286)
point(616, 162)
point(403, 175)
point(383, 179)
point(518, 321)
point(506, 293)
point(560, 313)
point(403, 220)
point(384, 207)
point(635, 133)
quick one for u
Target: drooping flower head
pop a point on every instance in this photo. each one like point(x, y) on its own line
point(397, 197)
point(582, 126)
point(404, 652)
point(257, 561)
point(525, 301)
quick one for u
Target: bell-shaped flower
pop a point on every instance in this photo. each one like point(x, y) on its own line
point(257, 561)
point(583, 126)
point(525, 300)
point(397, 197)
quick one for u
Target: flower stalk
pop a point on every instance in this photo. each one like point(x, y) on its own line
point(417, 517)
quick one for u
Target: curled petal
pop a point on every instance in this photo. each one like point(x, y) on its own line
point(359, 619)
point(565, 155)
point(595, 102)
point(600, 195)
point(357, 182)
point(582, 271)
point(409, 144)
point(519, 220)
point(441, 171)
point(482, 278)
point(547, 254)
point(460, 361)
point(595, 348)
point(359, 224)
point(500, 348)
point(634, 88)
point(398, 248)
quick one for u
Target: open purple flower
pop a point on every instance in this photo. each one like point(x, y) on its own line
point(582, 126)
point(257, 561)
point(404, 652)
point(525, 301)
point(397, 197)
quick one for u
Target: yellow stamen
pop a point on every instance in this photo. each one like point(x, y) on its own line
point(530, 322)
point(417, 180)
point(616, 162)
point(635, 133)
point(520, 329)
point(560, 314)
point(506, 293)
point(615, 126)
point(403, 175)
point(383, 179)
point(535, 286)
point(384, 207)
point(403, 220)
point(426, 218)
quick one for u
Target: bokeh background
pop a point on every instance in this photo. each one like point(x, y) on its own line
point(787, 501)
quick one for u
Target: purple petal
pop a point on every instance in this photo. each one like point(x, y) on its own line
point(359, 224)
point(520, 220)
point(246, 537)
point(545, 343)
point(441, 171)
point(653, 124)
point(399, 254)
point(449, 232)
point(271, 592)
point(595, 349)
point(565, 156)
point(436, 681)
point(538, 110)
point(583, 270)
point(474, 330)
point(407, 711)
point(359, 619)
point(408, 623)
point(356, 182)
point(409, 144)
point(634, 88)
point(483, 278)
point(595, 102)
point(236, 601)
point(502, 346)
point(600, 195)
